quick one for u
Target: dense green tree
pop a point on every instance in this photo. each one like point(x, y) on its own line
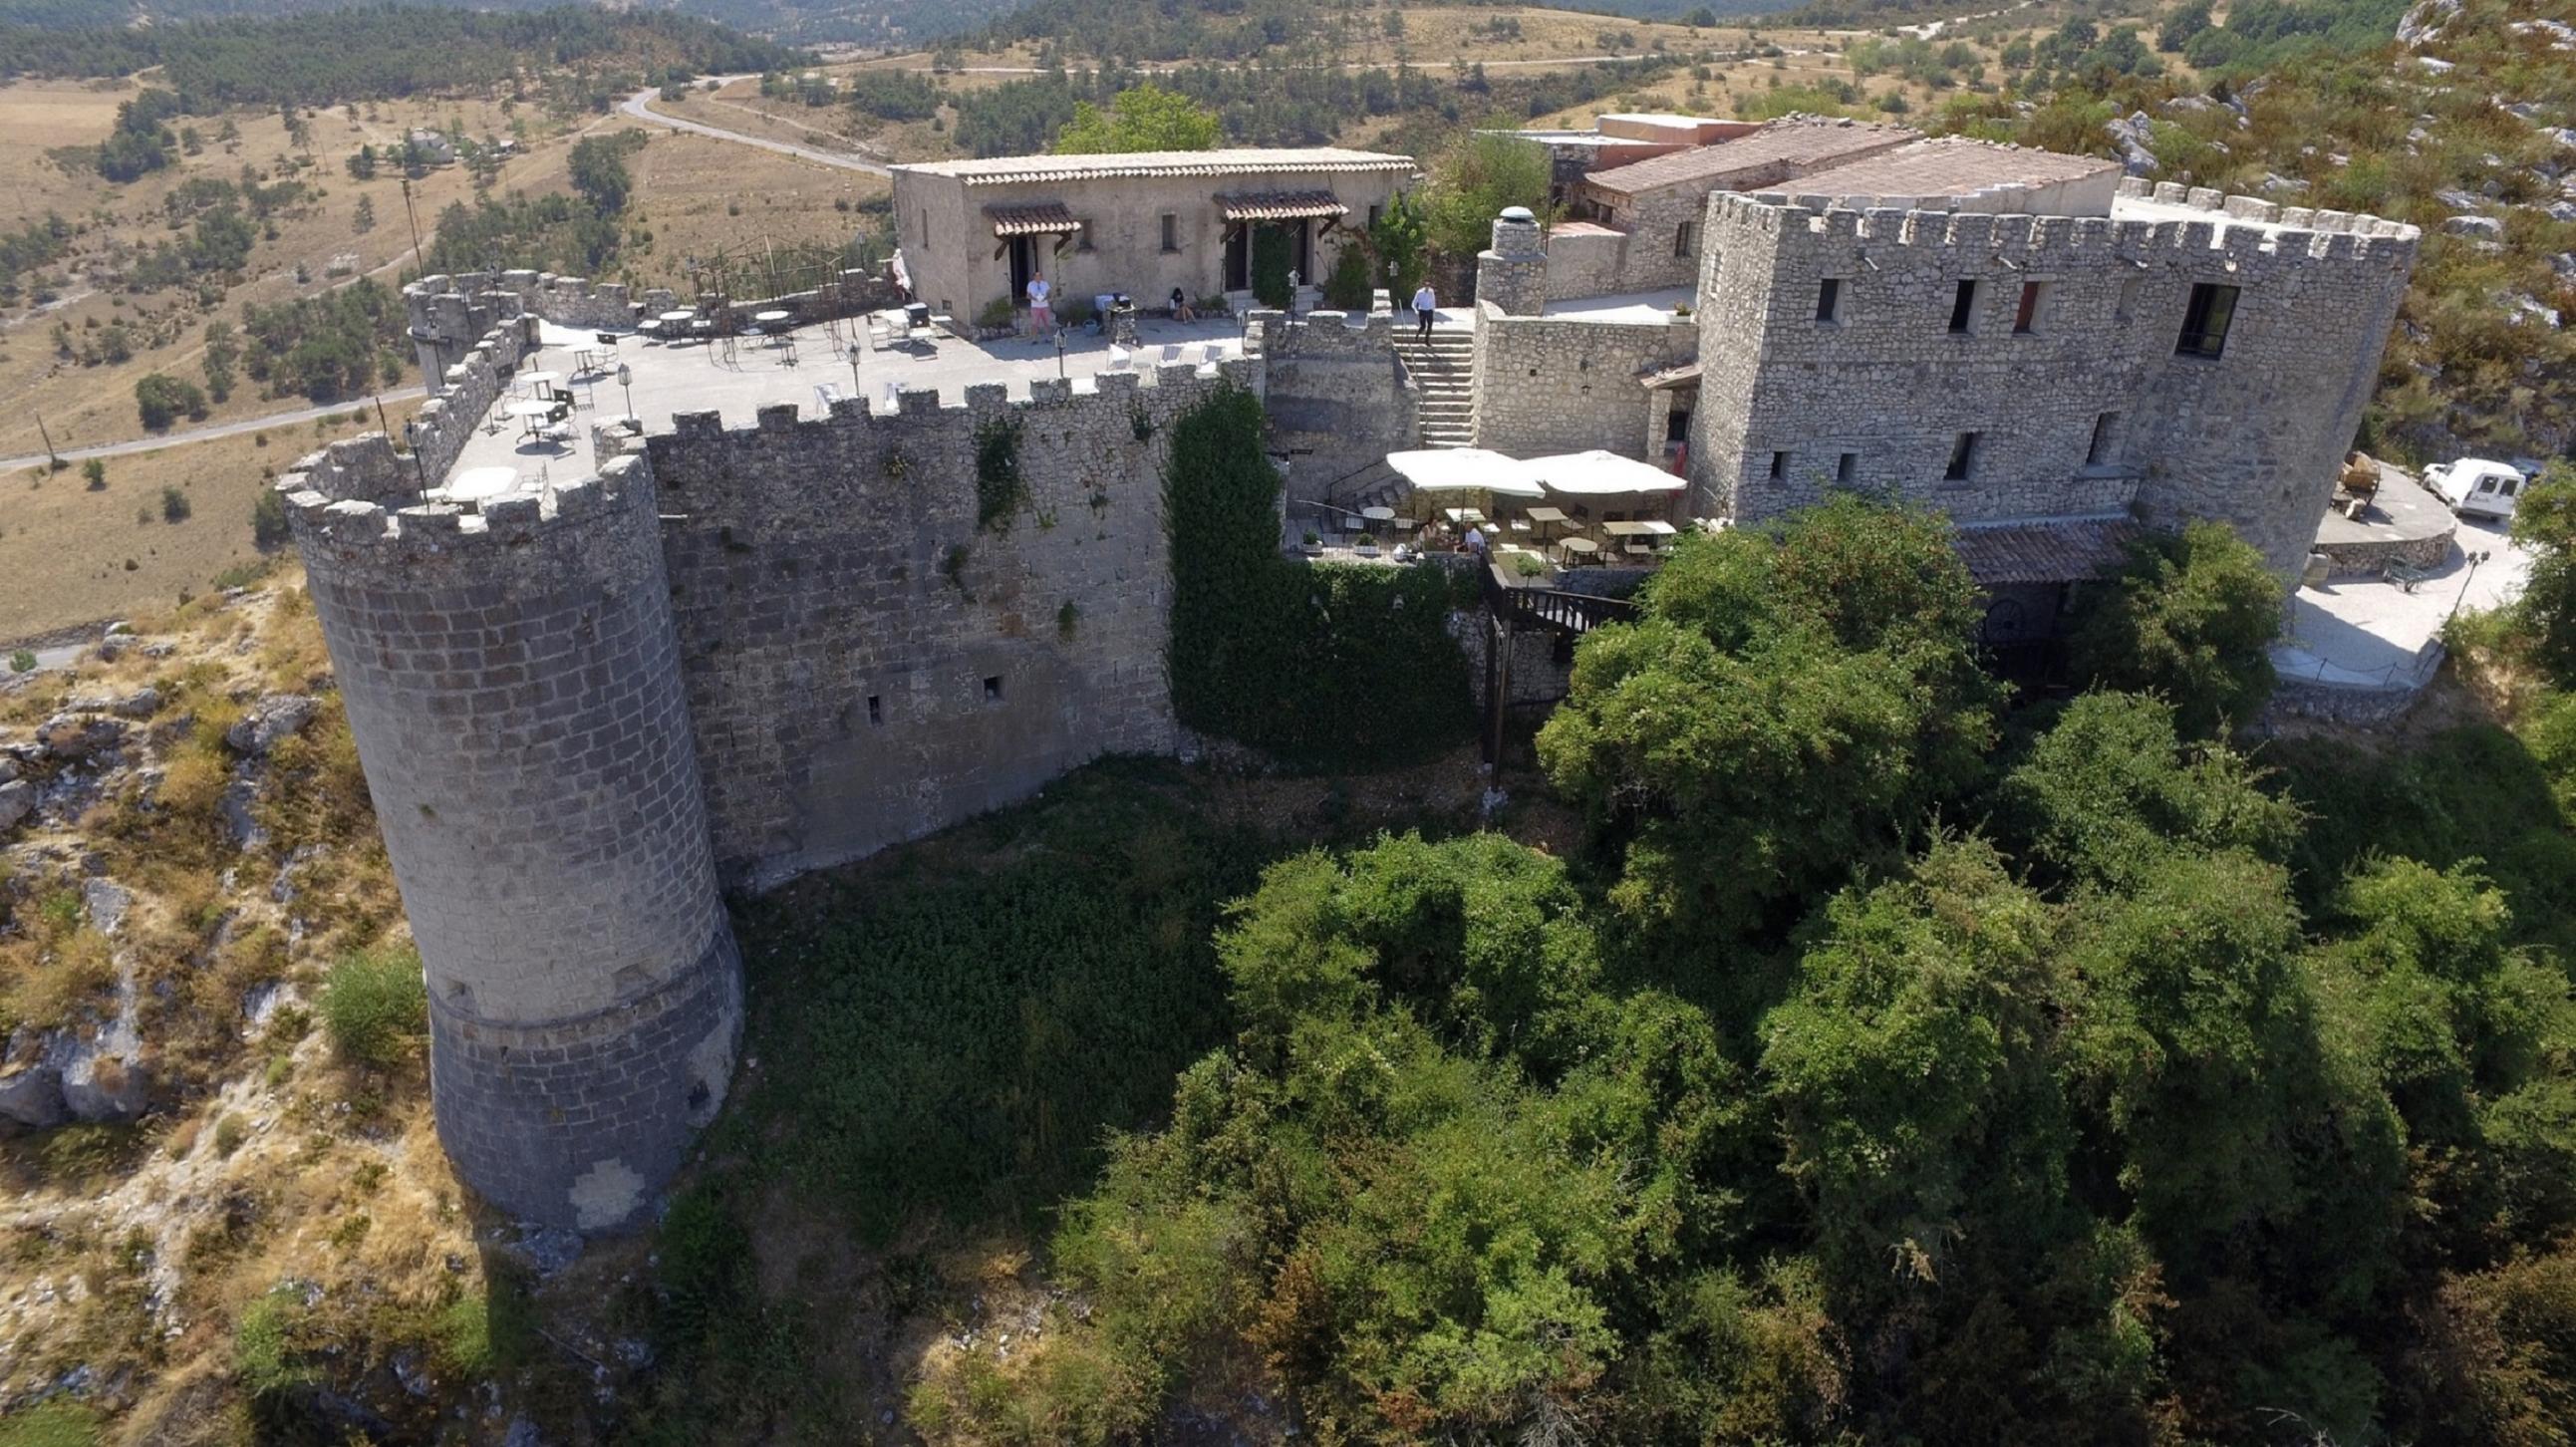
point(598, 169)
point(1140, 118)
point(1792, 703)
point(161, 399)
point(1472, 184)
point(2545, 617)
point(2110, 790)
point(2192, 617)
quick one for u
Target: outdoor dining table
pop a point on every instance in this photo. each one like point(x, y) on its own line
point(1463, 516)
point(771, 319)
point(1642, 528)
point(533, 414)
point(675, 323)
point(1378, 514)
point(1583, 548)
point(540, 382)
point(477, 483)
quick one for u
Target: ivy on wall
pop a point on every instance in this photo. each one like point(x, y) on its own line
point(1000, 489)
point(1319, 665)
point(1270, 255)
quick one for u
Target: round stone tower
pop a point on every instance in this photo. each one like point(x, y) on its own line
point(1512, 273)
point(513, 682)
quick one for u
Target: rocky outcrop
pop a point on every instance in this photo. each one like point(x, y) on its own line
point(269, 722)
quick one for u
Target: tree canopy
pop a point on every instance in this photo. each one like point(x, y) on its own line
point(1140, 118)
point(2192, 618)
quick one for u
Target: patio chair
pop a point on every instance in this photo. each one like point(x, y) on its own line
point(1171, 353)
point(1119, 358)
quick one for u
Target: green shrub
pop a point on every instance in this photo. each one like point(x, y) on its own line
point(375, 1006)
point(174, 505)
point(1001, 489)
point(22, 661)
point(1347, 287)
point(57, 1422)
point(995, 315)
point(268, 525)
point(264, 1350)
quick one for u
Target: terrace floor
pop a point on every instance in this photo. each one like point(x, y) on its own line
point(755, 372)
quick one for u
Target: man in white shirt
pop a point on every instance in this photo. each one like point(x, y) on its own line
point(1041, 313)
point(1425, 303)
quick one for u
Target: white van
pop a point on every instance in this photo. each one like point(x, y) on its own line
point(2475, 486)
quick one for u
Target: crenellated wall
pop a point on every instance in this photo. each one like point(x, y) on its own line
point(1338, 396)
point(513, 682)
point(868, 662)
point(2251, 436)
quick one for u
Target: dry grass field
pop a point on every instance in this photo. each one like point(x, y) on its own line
point(696, 195)
point(83, 405)
point(72, 555)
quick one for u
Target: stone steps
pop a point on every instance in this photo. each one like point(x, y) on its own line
point(1443, 372)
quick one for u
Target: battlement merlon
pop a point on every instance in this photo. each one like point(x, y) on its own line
point(438, 305)
point(1322, 334)
point(2241, 230)
point(355, 509)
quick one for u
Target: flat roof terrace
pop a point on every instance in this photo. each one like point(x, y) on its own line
point(753, 372)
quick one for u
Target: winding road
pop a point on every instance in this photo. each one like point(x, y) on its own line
point(209, 432)
point(635, 106)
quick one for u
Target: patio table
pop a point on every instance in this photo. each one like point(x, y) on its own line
point(477, 483)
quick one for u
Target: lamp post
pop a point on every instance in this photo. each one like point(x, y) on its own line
point(2475, 558)
point(856, 351)
point(411, 439)
point(1059, 354)
point(626, 383)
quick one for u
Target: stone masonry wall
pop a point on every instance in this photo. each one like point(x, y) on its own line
point(513, 682)
point(1547, 385)
point(2251, 437)
point(1336, 394)
point(864, 663)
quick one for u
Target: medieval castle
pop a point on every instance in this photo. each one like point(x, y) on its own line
point(728, 655)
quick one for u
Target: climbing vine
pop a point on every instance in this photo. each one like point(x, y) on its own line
point(1319, 665)
point(1000, 488)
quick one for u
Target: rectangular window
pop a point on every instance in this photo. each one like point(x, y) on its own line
point(2034, 294)
point(1171, 231)
point(876, 709)
point(1374, 213)
point(993, 688)
point(1963, 458)
point(2105, 447)
point(1829, 300)
point(1685, 238)
point(1963, 308)
point(1779, 466)
point(1082, 238)
point(2204, 321)
point(1846, 467)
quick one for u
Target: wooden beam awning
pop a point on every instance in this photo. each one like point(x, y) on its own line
point(1050, 219)
point(1279, 205)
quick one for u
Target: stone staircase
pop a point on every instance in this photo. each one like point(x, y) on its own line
point(1443, 371)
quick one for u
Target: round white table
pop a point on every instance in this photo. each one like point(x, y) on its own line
point(477, 483)
point(530, 409)
point(1378, 514)
point(683, 314)
point(771, 319)
point(540, 380)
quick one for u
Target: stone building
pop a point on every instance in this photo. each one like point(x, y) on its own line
point(1637, 227)
point(973, 232)
point(2007, 335)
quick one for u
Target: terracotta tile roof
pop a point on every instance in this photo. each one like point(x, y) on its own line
point(1949, 166)
point(1008, 170)
point(1278, 205)
point(2059, 550)
point(1781, 150)
point(1043, 219)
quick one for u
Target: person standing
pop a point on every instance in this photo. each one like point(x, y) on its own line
point(1426, 303)
point(1041, 310)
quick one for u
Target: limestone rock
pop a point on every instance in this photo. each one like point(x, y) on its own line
point(270, 721)
point(105, 1079)
point(2425, 21)
point(235, 805)
point(17, 800)
point(2479, 228)
point(33, 1097)
point(74, 737)
point(106, 902)
point(141, 703)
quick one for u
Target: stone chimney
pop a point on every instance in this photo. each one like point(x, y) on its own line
point(1512, 273)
